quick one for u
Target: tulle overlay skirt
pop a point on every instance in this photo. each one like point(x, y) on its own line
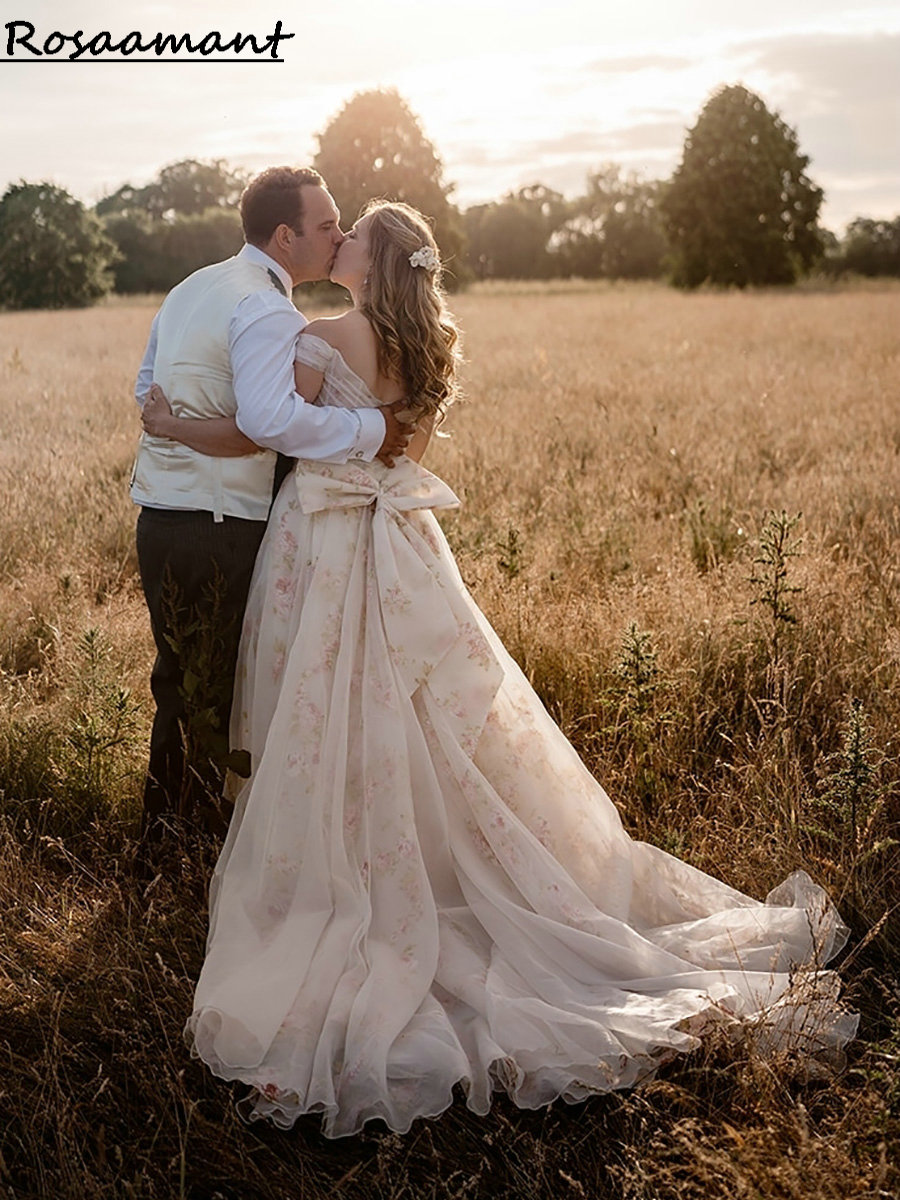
point(422, 885)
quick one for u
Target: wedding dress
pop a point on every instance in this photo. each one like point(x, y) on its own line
point(422, 885)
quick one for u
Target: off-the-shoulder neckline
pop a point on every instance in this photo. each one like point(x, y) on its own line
point(314, 337)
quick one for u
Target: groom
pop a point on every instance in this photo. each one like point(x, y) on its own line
point(222, 345)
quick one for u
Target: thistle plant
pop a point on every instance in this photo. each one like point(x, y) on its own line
point(851, 791)
point(511, 562)
point(638, 672)
point(774, 589)
point(510, 558)
point(637, 691)
point(103, 725)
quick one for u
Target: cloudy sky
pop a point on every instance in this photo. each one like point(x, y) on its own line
point(511, 92)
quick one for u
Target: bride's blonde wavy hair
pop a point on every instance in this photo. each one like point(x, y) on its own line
point(418, 342)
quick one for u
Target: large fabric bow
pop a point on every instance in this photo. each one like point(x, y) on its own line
point(405, 487)
point(431, 624)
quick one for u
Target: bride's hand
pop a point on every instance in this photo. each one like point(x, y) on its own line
point(156, 413)
point(398, 429)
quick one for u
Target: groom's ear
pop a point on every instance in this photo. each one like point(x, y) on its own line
point(282, 237)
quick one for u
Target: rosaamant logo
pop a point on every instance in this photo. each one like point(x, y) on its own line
point(25, 44)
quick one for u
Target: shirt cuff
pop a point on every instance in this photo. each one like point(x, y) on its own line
point(372, 429)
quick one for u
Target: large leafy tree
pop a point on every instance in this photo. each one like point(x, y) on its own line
point(155, 255)
point(872, 247)
point(185, 218)
point(615, 229)
point(375, 147)
point(510, 238)
point(53, 252)
point(185, 188)
point(741, 209)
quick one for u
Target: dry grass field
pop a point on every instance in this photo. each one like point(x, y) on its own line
point(682, 514)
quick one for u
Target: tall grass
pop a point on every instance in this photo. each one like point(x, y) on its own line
point(681, 513)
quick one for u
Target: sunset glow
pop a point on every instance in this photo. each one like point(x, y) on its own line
point(510, 93)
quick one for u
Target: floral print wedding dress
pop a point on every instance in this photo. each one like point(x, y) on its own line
point(422, 885)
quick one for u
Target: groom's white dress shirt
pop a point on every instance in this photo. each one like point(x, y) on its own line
point(262, 333)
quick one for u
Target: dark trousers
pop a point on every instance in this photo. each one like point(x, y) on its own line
point(196, 574)
point(283, 468)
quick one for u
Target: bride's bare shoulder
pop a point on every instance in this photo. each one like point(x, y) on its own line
point(354, 339)
point(350, 330)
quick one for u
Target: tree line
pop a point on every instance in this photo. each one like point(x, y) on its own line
point(739, 210)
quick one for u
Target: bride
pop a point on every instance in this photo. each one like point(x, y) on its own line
point(422, 885)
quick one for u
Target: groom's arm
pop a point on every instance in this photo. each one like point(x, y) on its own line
point(262, 340)
point(145, 373)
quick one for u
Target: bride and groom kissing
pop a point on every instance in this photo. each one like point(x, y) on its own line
point(222, 346)
point(421, 885)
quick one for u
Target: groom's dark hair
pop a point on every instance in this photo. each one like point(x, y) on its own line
point(274, 198)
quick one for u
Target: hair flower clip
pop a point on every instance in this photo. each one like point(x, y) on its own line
point(424, 257)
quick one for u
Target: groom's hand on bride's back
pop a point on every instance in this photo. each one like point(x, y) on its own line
point(396, 434)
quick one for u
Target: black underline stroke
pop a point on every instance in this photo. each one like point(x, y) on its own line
point(35, 61)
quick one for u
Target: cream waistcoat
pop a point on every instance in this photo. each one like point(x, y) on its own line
point(194, 370)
